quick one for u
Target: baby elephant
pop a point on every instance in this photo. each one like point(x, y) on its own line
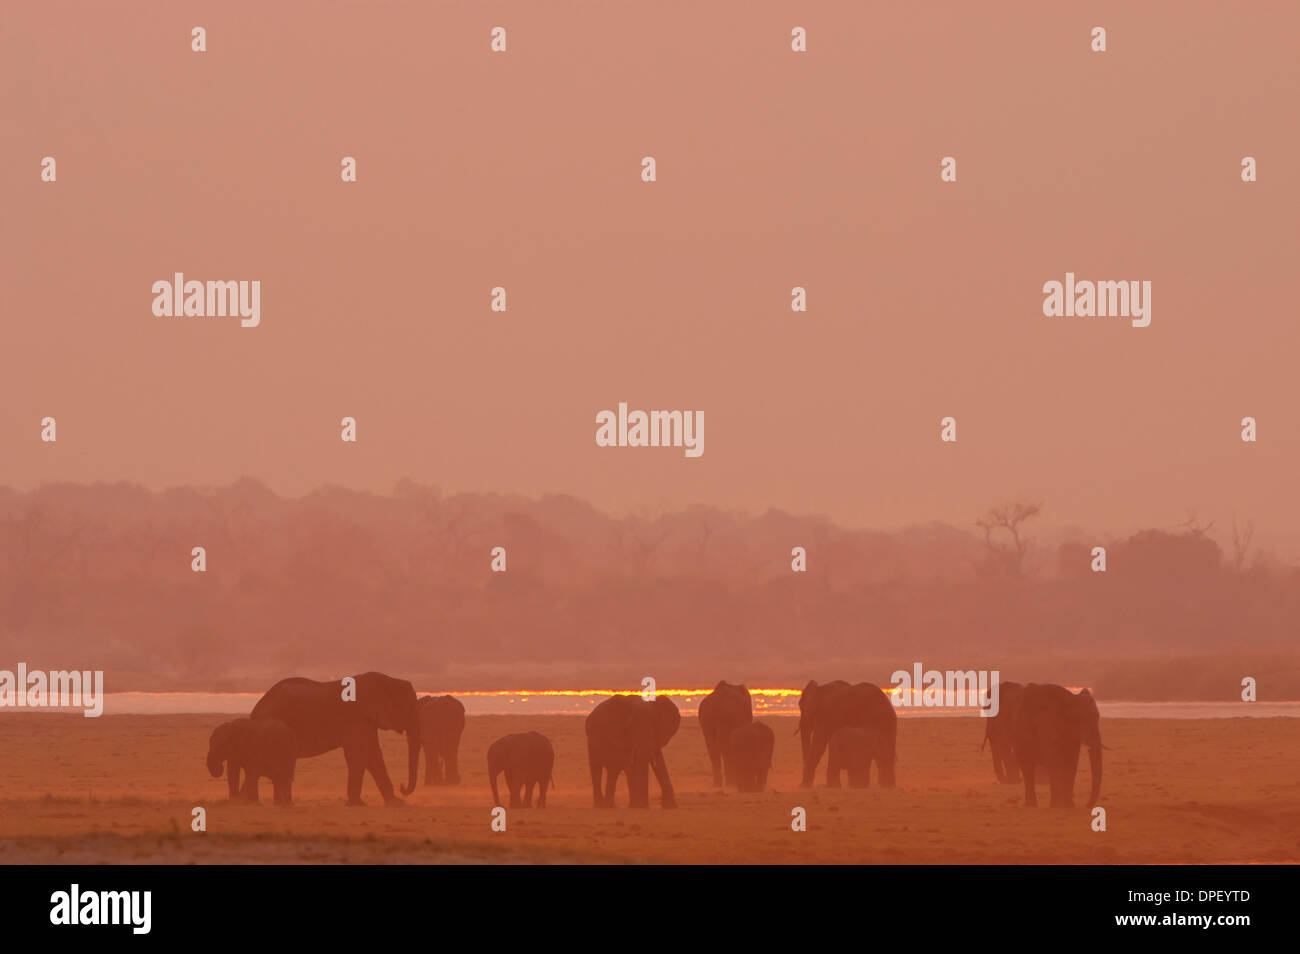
point(258, 747)
point(854, 748)
point(748, 756)
point(527, 759)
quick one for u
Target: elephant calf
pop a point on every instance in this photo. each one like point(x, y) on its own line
point(853, 748)
point(258, 747)
point(527, 759)
point(748, 756)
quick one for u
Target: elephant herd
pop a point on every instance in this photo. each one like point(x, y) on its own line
point(1038, 727)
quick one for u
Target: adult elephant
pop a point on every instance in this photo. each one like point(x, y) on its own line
point(1051, 726)
point(999, 732)
point(442, 720)
point(824, 709)
point(327, 715)
point(625, 733)
point(722, 712)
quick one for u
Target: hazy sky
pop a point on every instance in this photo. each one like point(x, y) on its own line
point(775, 169)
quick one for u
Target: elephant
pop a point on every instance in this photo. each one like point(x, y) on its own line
point(1050, 727)
point(824, 709)
point(722, 711)
point(442, 720)
point(258, 747)
point(748, 756)
point(527, 759)
point(327, 715)
point(625, 733)
point(999, 732)
point(853, 748)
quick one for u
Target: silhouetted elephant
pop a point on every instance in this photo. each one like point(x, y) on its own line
point(262, 747)
point(824, 709)
point(442, 720)
point(627, 734)
point(527, 759)
point(321, 720)
point(748, 756)
point(722, 711)
point(999, 732)
point(853, 748)
point(1051, 726)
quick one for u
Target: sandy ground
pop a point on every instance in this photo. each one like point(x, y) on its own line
point(120, 789)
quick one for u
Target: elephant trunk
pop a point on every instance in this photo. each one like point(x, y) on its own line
point(1094, 762)
point(413, 758)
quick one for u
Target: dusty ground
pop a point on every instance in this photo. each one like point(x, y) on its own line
point(121, 789)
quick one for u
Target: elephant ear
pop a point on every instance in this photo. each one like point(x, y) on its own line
point(376, 702)
point(667, 719)
point(808, 695)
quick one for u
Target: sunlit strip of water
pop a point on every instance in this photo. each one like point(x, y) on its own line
point(582, 701)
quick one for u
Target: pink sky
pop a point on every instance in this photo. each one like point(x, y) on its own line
point(775, 169)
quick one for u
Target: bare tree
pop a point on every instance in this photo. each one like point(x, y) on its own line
point(1007, 520)
point(1241, 538)
point(1193, 526)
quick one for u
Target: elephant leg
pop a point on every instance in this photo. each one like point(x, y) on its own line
point(1071, 772)
point(431, 767)
point(452, 775)
point(232, 778)
point(638, 784)
point(1031, 797)
point(1010, 767)
point(493, 772)
point(885, 762)
point(541, 792)
point(528, 794)
point(713, 745)
point(354, 755)
point(612, 773)
point(667, 799)
point(513, 785)
point(814, 755)
point(833, 768)
point(378, 770)
point(596, 800)
point(280, 786)
point(999, 760)
point(249, 792)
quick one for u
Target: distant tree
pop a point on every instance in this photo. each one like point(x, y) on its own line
point(1007, 520)
point(1159, 554)
point(1241, 538)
